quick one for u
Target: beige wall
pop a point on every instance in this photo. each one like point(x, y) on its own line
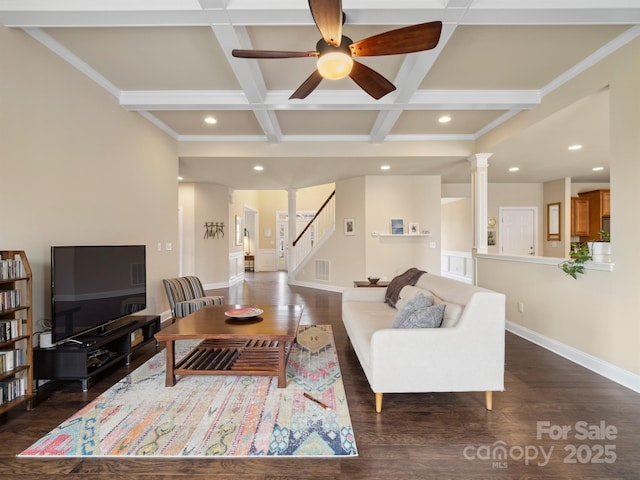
point(598, 313)
point(414, 199)
point(557, 191)
point(345, 253)
point(372, 201)
point(78, 169)
point(457, 225)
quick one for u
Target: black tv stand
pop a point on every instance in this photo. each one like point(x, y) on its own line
point(116, 325)
point(91, 355)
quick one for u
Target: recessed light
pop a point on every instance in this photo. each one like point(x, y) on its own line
point(180, 179)
point(514, 169)
point(444, 119)
point(597, 169)
point(575, 147)
point(385, 167)
point(258, 168)
point(210, 120)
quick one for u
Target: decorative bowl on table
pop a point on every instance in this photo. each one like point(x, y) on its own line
point(373, 280)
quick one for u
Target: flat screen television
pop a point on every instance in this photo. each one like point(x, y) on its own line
point(94, 288)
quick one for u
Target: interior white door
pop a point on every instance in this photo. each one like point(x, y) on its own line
point(518, 230)
point(302, 219)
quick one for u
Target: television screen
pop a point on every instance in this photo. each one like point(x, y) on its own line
point(92, 286)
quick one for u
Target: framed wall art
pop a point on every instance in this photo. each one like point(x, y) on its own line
point(397, 226)
point(349, 226)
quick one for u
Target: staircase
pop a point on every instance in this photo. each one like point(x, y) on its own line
point(314, 234)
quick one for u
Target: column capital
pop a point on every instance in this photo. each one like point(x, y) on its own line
point(479, 160)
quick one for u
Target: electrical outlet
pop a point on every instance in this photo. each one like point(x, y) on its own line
point(159, 246)
point(168, 246)
point(521, 307)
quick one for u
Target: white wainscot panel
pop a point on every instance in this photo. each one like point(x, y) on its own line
point(457, 265)
point(266, 260)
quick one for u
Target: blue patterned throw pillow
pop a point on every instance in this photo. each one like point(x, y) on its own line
point(419, 312)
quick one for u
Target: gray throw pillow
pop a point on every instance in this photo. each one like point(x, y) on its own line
point(419, 312)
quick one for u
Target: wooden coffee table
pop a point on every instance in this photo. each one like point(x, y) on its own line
point(252, 346)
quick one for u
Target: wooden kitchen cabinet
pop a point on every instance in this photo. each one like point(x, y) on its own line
point(579, 216)
point(606, 203)
point(599, 207)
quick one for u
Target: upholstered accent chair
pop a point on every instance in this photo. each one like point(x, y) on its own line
point(186, 295)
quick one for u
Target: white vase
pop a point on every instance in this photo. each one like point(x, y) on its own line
point(600, 251)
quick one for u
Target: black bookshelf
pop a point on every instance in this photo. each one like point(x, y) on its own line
point(91, 355)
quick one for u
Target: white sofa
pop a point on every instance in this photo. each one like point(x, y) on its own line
point(465, 354)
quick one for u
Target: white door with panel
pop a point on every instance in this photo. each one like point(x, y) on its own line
point(518, 230)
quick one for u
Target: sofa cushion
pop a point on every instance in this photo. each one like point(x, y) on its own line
point(408, 292)
point(452, 312)
point(419, 312)
point(362, 320)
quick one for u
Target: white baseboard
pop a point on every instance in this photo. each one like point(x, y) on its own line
point(317, 286)
point(232, 281)
point(165, 317)
point(607, 370)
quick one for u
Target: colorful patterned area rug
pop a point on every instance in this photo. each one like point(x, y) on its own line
point(209, 416)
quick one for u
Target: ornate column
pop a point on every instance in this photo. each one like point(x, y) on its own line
point(479, 188)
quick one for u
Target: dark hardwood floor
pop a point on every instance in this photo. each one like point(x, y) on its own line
point(417, 436)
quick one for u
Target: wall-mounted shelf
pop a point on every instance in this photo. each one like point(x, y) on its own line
point(403, 235)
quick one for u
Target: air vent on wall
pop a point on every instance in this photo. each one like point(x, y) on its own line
point(323, 270)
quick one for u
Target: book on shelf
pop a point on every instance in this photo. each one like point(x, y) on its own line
point(10, 299)
point(11, 359)
point(12, 389)
point(11, 268)
point(137, 337)
point(10, 329)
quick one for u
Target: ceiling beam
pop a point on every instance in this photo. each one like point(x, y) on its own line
point(413, 71)
point(249, 76)
point(332, 100)
point(107, 13)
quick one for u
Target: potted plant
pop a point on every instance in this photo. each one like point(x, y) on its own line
point(601, 249)
point(579, 256)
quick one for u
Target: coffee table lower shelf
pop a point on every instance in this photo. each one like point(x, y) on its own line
point(237, 357)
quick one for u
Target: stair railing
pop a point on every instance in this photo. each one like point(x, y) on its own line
point(311, 236)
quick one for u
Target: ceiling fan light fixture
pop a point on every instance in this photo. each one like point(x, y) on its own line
point(334, 65)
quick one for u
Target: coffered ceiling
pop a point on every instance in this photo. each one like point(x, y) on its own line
point(171, 61)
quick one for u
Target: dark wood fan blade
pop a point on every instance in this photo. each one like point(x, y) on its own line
point(328, 17)
point(370, 81)
point(271, 54)
point(308, 86)
point(414, 38)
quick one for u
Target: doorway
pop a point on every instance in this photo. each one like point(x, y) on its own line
point(282, 225)
point(518, 230)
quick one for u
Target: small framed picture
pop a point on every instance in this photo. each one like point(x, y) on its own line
point(397, 226)
point(491, 238)
point(414, 228)
point(349, 226)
